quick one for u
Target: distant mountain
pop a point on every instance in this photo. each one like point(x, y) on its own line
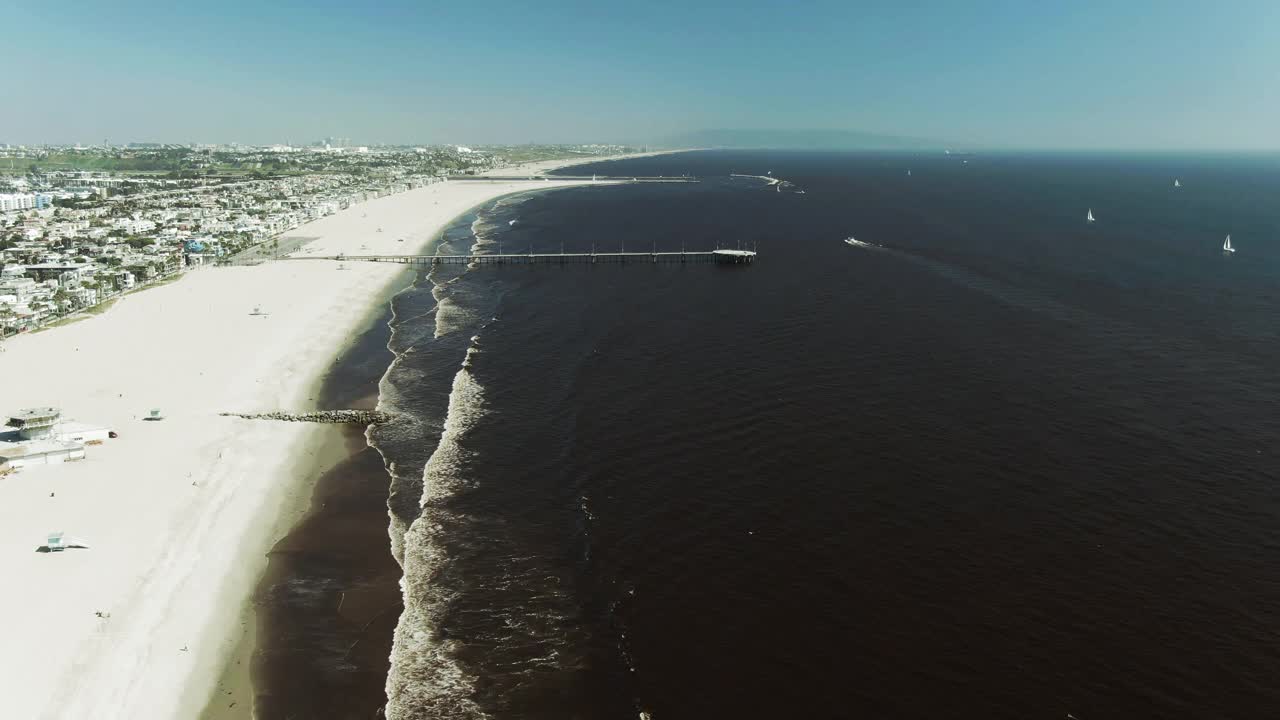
point(801, 140)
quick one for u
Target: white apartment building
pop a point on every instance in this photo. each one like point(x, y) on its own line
point(17, 201)
point(20, 288)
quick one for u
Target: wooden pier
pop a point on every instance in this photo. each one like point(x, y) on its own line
point(722, 257)
point(577, 178)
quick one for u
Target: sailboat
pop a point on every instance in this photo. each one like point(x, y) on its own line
point(1176, 183)
point(1089, 217)
point(1226, 245)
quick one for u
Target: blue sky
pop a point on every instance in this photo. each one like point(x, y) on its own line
point(1084, 74)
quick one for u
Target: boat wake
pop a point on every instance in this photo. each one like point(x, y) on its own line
point(778, 184)
point(854, 242)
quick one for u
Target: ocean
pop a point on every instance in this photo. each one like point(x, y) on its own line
point(995, 461)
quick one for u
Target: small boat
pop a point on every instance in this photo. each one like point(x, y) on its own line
point(511, 222)
point(856, 242)
point(1176, 183)
point(908, 173)
point(1089, 216)
point(1226, 245)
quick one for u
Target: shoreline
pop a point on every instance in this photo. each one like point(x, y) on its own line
point(234, 695)
point(241, 686)
point(172, 509)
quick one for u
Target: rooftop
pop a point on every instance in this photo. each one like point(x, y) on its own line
point(18, 450)
point(35, 413)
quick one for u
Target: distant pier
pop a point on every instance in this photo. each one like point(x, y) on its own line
point(578, 178)
point(721, 257)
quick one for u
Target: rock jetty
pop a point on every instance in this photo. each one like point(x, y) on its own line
point(352, 417)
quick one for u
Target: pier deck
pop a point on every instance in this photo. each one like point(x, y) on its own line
point(578, 178)
point(725, 257)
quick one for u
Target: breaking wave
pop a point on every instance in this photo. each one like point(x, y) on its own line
point(436, 332)
point(490, 618)
point(426, 680)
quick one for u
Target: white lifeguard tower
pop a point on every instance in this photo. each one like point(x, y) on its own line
point(35, 423)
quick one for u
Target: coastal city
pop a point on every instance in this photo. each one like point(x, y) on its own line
point(640, 361)
point(79, 226)
point(176, 380)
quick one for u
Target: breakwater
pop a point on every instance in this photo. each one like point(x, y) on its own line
point(353, 417)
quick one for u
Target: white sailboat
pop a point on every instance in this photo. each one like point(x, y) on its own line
point(1226, 245)
point(1176, 183)
point(1089, 216)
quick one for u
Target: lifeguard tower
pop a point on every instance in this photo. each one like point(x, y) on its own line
point(35, 423)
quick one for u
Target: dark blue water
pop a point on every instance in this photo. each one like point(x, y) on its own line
point(1001, 464)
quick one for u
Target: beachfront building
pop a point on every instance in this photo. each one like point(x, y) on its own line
point(64, 273)
point(14, 456)
point(35, 423)
point(41, 437)
point(15, 283)
point(47, 423)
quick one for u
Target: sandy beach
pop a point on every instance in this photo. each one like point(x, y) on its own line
point(178, 513)
point(535, 168)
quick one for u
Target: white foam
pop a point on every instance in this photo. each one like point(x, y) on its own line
point(450, 316)
point(424, 678)
point(466, 407)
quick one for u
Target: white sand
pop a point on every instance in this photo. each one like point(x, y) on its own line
point(173, 562)
point(534, 168)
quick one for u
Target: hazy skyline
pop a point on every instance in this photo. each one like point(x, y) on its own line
point(995, 74)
